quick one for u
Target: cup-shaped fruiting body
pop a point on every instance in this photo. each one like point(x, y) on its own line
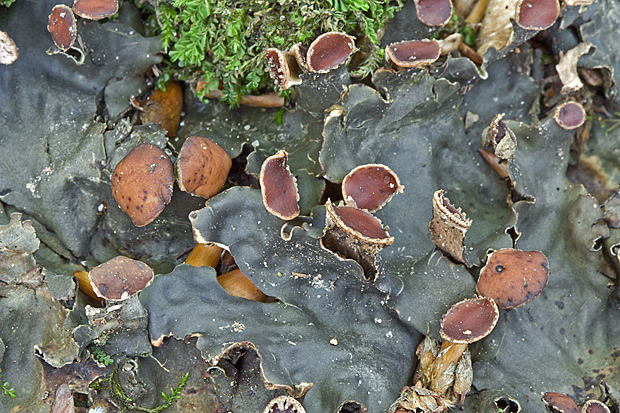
point(202, 167)
point(300, 53)
point(283, 68)
point(434, 12)
point(328, 51)
point(469, 320)
point(8, 49)
point(63, 27)
point(355, 234)
point(448, 226)
point(559, 403)
point(282, 404)
point(120, 278)
point(502, 139)
point(513, 278)
point(413, 53)
point(594, 406)
point(95, 9)
point(358, 223)
point(537, 14)
point(279, 187)
point(370, 186)
point(142, 183)
point(569, 115)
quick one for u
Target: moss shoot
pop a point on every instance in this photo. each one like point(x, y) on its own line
point(222, 42)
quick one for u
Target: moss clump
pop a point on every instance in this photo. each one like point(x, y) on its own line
point(222, 42)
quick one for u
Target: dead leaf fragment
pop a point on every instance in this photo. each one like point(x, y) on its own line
point(8, 49)
point(496, 29)
point(567, 68)
point(63, 401)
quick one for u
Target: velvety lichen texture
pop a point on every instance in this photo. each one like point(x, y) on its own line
point(329, 335)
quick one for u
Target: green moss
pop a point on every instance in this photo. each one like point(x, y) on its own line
point(10, 392)
point(610, 123)
point(457, 25)
point(112, 384)
point(101, 356)
point(222, 42)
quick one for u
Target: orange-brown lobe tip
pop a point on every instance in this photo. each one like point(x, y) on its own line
point(120, 278)
point(202, 167)
point(238, 284)
point(495, 162)
point(142, 183)
point(434, 12)
point(569, 115)
point(85, 285)
point(513, 278)
point(469, 320)
point(95, 9)
point(413, 53)
point(62, 26)
point(560, 402)
point(537, 14)
point(329, 51)
point(370, 186)
point(279, 187)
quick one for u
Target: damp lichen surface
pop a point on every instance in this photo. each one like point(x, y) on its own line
point(336, 332)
